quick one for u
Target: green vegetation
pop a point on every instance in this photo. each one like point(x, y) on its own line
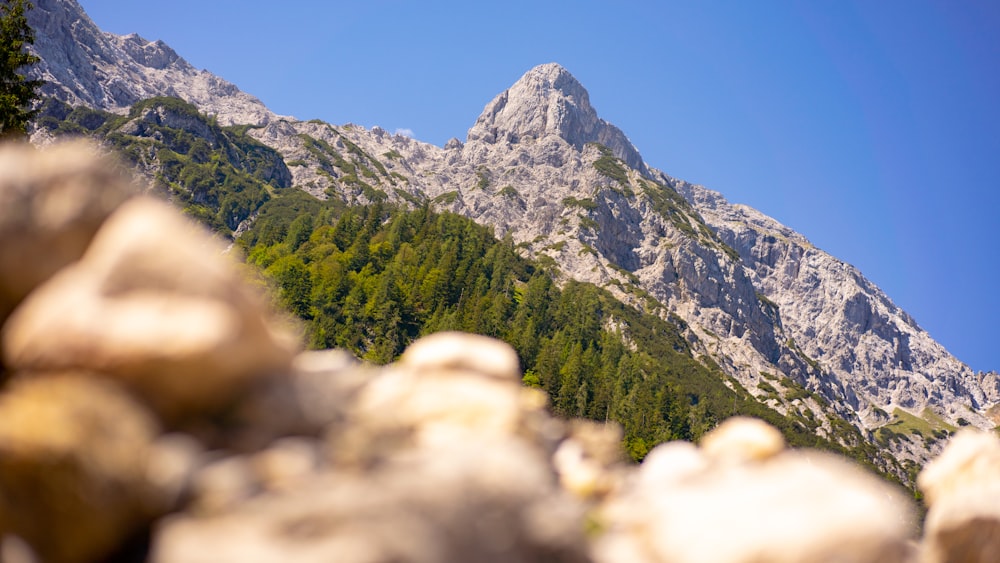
point(509, 191)
point(585, 203)
point(447, 198)
point(793, 390)
point(371, 279)
point(588, 223)
point(610, 166)
point(768, 389)
point(219, 175)
point(17, 93)
point(928, 426)
point(483, 176)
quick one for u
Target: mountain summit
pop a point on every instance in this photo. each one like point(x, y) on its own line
point(548, 100)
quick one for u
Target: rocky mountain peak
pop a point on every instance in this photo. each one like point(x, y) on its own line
point(548, 100)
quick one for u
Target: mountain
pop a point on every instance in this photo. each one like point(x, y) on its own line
point(797, 328)
point(83, 65)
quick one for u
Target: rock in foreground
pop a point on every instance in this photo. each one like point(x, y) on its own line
point(151, 394)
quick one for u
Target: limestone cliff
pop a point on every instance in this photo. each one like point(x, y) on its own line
point(83, 65)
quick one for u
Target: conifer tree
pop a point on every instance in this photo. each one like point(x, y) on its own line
point(17, 93)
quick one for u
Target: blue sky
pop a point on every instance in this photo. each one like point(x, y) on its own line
point(873, 128)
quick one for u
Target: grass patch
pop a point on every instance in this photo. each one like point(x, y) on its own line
point(509, 191)
point(928, 425)
point(585, 203)
point(447, 198)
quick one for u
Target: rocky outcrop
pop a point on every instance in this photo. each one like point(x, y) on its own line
point(548, 100)
point(81, 64)
point(879, 355)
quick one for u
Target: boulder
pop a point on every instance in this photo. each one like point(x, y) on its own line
point(51, 203)
point(74, 478)
point(495, 501)
point(446, 388)
point(155, 305)
point(753, 503)
point(962, 490)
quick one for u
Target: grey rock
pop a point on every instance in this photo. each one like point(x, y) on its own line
point(83, 65)
point(548, 100)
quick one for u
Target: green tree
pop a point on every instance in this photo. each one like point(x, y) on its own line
point(17, 93)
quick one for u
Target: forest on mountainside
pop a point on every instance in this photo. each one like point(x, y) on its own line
point(374, 278)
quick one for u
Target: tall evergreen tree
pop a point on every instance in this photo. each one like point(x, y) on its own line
point(17, 93)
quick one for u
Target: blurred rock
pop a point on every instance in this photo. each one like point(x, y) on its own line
point(962, 489)
point(741, 439)
point(287, 463)
point(446, 388)
point(484, 502)
point(154, 304)
point(463, 352)
point(223, 484)
point(51, 203)
point(173, 460)
point(689, 505)
point(590, 461)
point(73, 466)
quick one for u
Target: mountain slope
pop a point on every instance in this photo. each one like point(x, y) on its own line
point(83, 65)
point(539, 166)
point(540, 176)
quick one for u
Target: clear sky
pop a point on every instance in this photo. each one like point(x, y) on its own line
point(873, 128)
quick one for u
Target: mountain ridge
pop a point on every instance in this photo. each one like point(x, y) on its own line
point(83, 65)
point(748, 289)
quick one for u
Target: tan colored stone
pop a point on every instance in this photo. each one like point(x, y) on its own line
point(970, 460)
point(589, 460)
point(73, 453)
point(743, 438)
point(155, 304)
point(962, 490)
point(462, 351)
point(446, 388)
point(52, 202)
point(489, 502)
point(688, 505)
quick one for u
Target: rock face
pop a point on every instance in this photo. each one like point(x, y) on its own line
point(548, 100)
point(876, 352)
point(83, 65)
